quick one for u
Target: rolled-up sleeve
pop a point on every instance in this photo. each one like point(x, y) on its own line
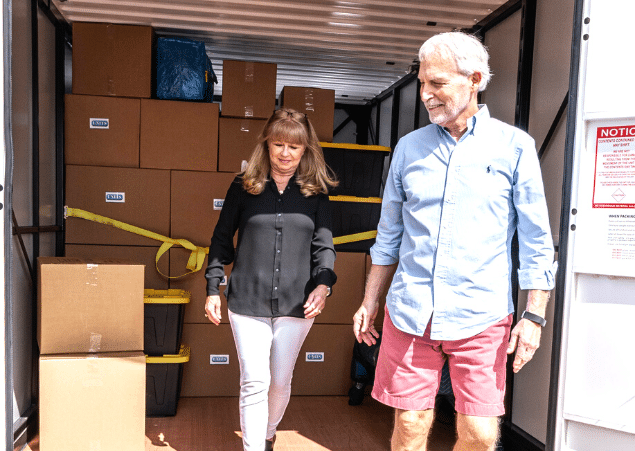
point(536, 254)
point(390, 229)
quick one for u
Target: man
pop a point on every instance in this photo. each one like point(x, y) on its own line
point(456, 192)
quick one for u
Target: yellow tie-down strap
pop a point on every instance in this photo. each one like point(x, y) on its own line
point(197, 256)
point(194, 263)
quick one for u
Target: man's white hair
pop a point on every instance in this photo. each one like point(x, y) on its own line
point(466, 50)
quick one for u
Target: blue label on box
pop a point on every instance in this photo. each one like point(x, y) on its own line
point(315, 357)
point(99, 122)
point(116, 197)
point(216, 359)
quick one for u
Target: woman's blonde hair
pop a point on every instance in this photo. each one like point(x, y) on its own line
point(286, 125)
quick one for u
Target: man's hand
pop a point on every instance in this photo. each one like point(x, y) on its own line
point(524, 339)
point(364, 323)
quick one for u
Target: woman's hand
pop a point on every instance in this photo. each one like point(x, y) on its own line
point(316, 302)
point(212, 309)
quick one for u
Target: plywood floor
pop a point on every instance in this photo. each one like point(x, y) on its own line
point(311, 423)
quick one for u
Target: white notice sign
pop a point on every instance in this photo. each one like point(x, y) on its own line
point(614, 184)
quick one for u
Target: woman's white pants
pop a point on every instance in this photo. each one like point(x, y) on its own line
point(267, 351)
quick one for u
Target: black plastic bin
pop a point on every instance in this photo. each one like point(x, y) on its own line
point(354, 222)
point(359, 168)
point(163, 382)
point(163, 321)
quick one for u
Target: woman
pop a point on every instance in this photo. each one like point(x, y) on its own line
point(283, 266)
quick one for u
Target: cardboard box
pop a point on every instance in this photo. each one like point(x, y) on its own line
point(141, 255)
point(213, 369)
point(139, 197)
point(327, 376)
point(249, 89)
point(179, 135)
point(237, 139)
point(348, 292)
point(196, 199)
point(323, 367)
point(379, 320)
point(89, 305)
point(92, 402)
point(318, 104)
point(112, 60)
point(101, 131)
point(196, 284)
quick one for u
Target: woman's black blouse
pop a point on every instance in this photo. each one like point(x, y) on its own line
point(284, 250)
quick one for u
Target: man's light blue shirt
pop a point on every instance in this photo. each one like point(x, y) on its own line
point(449, 212)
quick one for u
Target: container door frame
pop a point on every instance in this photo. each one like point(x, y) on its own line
point(590, 405)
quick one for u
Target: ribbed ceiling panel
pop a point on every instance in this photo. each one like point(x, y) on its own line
point(357, 48)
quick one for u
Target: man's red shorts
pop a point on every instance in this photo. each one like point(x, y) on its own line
point(409, 369)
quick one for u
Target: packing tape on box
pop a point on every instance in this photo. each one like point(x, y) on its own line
point(197, 256)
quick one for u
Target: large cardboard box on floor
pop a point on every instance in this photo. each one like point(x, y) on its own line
point(92, 402)
point(237, 138)
point(89, 305)
point(323, 367)
point(249, 89)
point(348, 291)
point(138, 197)
point(197, 199)
point(318, 104)
point(196, 284)
point(179, 135)
point(101, 131)
point(213, 369)
point(135, 254)
point(112, 60)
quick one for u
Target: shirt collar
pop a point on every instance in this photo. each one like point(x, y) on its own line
point(481, 116)
point(273, 186)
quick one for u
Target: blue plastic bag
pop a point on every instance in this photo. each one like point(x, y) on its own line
point(184, 71)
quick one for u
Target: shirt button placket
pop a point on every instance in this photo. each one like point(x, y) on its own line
point(278, 248)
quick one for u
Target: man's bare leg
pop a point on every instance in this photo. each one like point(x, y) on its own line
point(476, 433)
point(411, 431)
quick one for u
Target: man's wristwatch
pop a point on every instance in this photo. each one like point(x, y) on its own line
point(534, 318)
point(328, 291)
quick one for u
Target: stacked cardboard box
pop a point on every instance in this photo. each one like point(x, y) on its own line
point(165, 166)
point(249, 98)
point(317, 104)
point(92, 368)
